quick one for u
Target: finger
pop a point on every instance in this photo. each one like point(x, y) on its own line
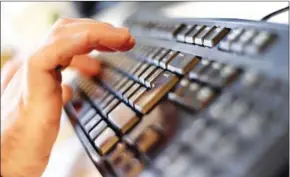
point(103, 49)
point(67, 20)
point(86, 64)
point(61, 51)
point(74, 28)
point(8, 72)
point(66, 93)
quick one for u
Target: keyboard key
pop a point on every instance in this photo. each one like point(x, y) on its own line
point(97, 129)
point(140, 91)
point(211, 73)
point(199, 68)
point(153, 53)
point(259, 43)
point(130, 92)
point(193, 95)
point(215, 36)
point(160, 86)
point(124, 163)
point(147, 73)
point(92, 123)
point(152, 77)
point(119, 156)
point(202, 35)
point(126, 87)
point(141, 70)
point(238, 46)
point(147, 141)
point(181, 35)
point(167, 58)
point(120, 85)
point(234, 34)
point(106, 101)
point(123, 117)
point(159, 56)
point(106, 140)
point(89, 114)
point(135, 68)
point(190, 37)
point(174, 30)
point(182, 63)
point(106, 110)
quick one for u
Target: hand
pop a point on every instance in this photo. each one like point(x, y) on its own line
point(32, 95)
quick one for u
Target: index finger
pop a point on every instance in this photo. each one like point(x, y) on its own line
point(61, 50)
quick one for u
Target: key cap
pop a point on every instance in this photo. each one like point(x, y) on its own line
point(147, 141)
point(182, 63)
point(147, 73)
point(119, 156)
point(120, 85)
point(152, 77)
point(167, 58)
point(159, 56)
point(106, 110)
point(106, 140)
point(160, 86)
point(97, 129)
point(199, 68)
point(126, 87)
point(190, 37)
point(92, 123)
point(234, 34)
point(123, 117)
point(215, 36)
point(239, 45)
point(137, 94)
point(259, 43)
point(202, 35)
point(173, 30)
point(87, 116)
point(153, 53)
point(106, 101)
point(141, 70)
point(130, 92)
point(211, 73)
point(181, 35)
point(135, 68)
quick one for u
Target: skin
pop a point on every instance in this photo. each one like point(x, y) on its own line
point(32, 94)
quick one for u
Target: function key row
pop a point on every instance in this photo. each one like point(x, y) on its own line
point(241, 41)
point(207, 36)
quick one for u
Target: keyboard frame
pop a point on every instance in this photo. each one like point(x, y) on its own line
point(262, 63)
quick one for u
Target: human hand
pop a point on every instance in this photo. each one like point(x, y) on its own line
point(32, 94)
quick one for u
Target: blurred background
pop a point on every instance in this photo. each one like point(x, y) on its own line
point(24, 24)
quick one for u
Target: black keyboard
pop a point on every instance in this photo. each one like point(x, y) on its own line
point(194, 97)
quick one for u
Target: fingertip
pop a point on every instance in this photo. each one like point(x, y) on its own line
point(128, 45)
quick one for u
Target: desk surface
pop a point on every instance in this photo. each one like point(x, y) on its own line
point(68, 156)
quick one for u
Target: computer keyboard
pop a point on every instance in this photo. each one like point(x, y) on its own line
point(194, 97)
